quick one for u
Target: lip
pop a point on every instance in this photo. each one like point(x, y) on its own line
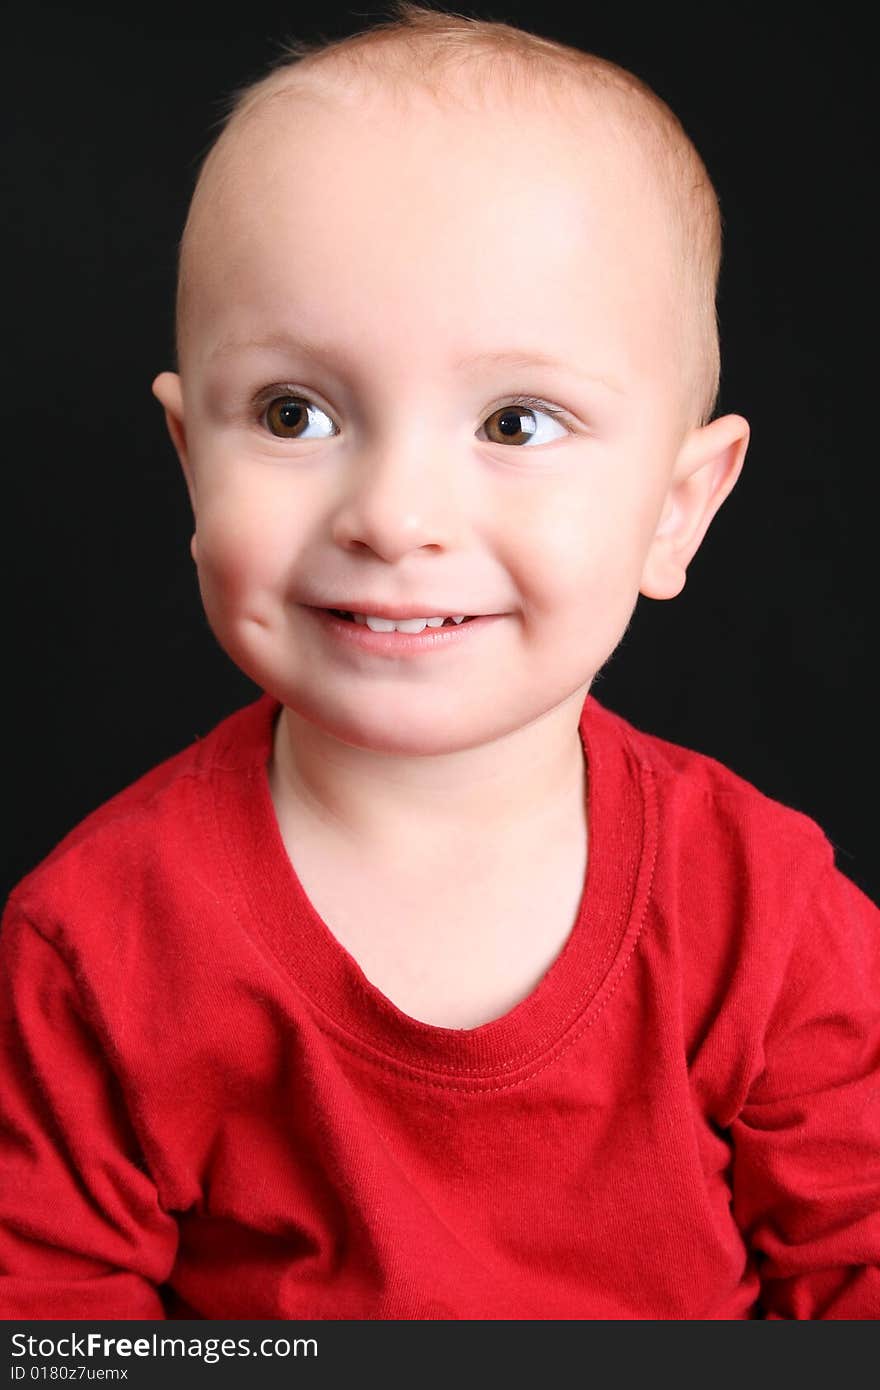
point(384, 610)
point(400, 644)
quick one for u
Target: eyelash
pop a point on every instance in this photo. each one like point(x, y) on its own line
point(264, 400)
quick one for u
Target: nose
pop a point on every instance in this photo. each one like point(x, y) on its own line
point(397, 498)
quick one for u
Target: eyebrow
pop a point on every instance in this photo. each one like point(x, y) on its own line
point(516, 358)
point(524, 358)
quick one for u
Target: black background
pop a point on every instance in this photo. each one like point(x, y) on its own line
point(762, 662)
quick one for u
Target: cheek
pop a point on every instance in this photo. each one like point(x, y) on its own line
point(245, 551)
point(580, 550)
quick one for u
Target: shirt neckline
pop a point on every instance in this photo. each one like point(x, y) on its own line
point(575, 988)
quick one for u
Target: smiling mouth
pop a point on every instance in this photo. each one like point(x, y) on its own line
point(361, 619)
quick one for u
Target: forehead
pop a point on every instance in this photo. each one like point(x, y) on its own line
point(413, 226)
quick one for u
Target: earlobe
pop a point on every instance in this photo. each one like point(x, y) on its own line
point(706, 470)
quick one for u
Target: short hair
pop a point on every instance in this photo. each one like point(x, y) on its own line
point(433, 51)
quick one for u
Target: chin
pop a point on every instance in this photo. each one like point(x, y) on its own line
point(403, 727)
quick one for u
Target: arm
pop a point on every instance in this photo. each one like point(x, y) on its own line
point(82, 1232)
point(807, 1142)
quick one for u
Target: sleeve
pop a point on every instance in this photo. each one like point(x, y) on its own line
point(82, 1232)
point(806, 1166)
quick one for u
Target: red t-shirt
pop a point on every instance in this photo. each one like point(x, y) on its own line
point(207, 1110)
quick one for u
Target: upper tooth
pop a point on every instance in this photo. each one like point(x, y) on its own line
point(402, 625)
point(413, 625)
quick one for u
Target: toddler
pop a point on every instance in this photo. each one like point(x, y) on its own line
point(425, 986)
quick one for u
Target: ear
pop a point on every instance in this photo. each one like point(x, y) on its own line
point(168, 390)
point(708, 464)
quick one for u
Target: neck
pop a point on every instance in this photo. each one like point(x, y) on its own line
point(502, 793)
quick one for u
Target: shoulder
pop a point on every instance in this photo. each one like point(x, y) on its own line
point(142, 838)
point(733, 877)
point(747, 918)
point(709, 813)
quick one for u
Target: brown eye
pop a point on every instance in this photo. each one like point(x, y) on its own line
point(288, 417)
point(510, 425)
point(518, 423)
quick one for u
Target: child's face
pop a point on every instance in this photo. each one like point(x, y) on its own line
point(408, 248)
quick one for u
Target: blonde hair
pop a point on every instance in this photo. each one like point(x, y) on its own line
point(431, 50)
